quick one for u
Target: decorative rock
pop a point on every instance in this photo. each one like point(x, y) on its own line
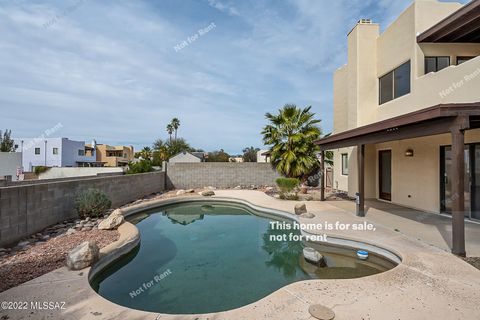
point(307, 215)
point(210, 188)
point(207, 193)
point(82, 256)
point(269, 189)
point(321, 312)
point(116, 212)
point(313, 256)
point(23, 244)
point(300, 208)
point(305, 197)
point(237, 188)
point(180, 192)
point(189, 191)
point(112, 222)
point(70, 231)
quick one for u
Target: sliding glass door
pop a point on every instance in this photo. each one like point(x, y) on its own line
point(472, 180)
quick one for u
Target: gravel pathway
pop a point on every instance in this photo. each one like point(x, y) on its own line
point(47, 256)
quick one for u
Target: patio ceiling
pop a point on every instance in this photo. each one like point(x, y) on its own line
point(430, 121)
point(463, 26)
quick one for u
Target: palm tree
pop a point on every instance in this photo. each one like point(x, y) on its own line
point(161, 149)
point(291, 135)
point(146, 153)
point(170, 130)
point(176, 124)
point(250, 154)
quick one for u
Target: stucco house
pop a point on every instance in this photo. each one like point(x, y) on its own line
point(113, 156)
point(407, 113)
point(54, 152)
point(186, 156)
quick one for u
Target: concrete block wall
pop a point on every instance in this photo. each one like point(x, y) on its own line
point(27, 209)
point(219, 174)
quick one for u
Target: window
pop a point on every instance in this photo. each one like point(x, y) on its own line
point(434, 64)
point(37, 150)
point(344, 164)
point(16, 146)
point(55, 150)
point(81, 152)
point(395, 84)
point(461, 60)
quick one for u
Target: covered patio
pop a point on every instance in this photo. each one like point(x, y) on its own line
point(454, 119)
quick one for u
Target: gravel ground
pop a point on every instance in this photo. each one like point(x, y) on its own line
point(48, 256)
point(474, 261)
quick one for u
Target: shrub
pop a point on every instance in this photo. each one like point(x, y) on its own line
point(287, 186)
point(92, 203)
point(40, 169)
point(139, 167)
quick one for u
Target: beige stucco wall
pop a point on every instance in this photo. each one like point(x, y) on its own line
point(370, 56)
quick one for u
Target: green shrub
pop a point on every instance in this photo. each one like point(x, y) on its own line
point(139, 167)
point(40, 169)
point(92, 203)
point(287, 184)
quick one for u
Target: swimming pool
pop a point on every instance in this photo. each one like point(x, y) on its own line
point(202, 257)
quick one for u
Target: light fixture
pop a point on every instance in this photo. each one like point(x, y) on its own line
point(409, 153)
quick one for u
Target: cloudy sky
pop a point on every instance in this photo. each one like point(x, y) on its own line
point(117, 71)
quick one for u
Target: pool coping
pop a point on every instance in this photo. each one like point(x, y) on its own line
point(292, 300)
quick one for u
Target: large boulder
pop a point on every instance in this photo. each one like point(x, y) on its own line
point(82, 256)
point(300, 208)
point(112, 222)
point(117, 212)
point(207, 193)
point(180, 192)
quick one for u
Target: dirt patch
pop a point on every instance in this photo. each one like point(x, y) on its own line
point(474, 261)
point(47, 256)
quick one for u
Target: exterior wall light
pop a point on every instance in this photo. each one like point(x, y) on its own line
point(409, 153)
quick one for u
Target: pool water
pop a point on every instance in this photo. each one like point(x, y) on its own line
point(200, 257)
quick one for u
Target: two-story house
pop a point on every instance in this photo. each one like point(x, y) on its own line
point(113, 156)
point(407, 113)
point(54, 152)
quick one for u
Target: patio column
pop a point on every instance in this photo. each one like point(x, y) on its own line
point(360, 207)
point(322, 175)
point(458, 189)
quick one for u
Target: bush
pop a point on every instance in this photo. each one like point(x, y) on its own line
point(287, 187)
point(92, 203)
point(40, 169)
point(139, 167)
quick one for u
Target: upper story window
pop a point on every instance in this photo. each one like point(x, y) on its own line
point(81, 152)
point(434, 64)
point(344, 164)
point(55, 151)
point(395, 84)
point(37, 150)
point(461, 60)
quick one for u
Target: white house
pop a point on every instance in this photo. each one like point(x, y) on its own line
point(55, 152)
point(188, 157)
point(10, 164)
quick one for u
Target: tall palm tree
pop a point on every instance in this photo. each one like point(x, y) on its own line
point(176, 124)
point(291, 135)
point(170, 130)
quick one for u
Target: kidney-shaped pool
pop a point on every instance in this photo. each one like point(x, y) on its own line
point(202, 257)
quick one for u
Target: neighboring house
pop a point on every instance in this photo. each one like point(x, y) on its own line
point(406, 112)
point(263, 156)
point(11, 165)
point(54, 152)
point(236, 159)
point(113, 156)
point(188, 157)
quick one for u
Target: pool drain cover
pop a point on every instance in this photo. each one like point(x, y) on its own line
point(321, 312)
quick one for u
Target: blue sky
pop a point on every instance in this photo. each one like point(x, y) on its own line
point(109, 70)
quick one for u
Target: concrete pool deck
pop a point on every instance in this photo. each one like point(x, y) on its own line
point(430, 283)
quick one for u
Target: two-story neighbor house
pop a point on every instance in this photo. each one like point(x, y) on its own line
point(113, 156)
point(406, 113)
point(54, 152)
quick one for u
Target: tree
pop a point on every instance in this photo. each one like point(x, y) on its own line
point(6, 142)
point(146, 153)
point(170, 130)
point(218, 156)
point(176, 146)
point(160, 151)
point(250, 154)
point(175, 124)
point(291, 135)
